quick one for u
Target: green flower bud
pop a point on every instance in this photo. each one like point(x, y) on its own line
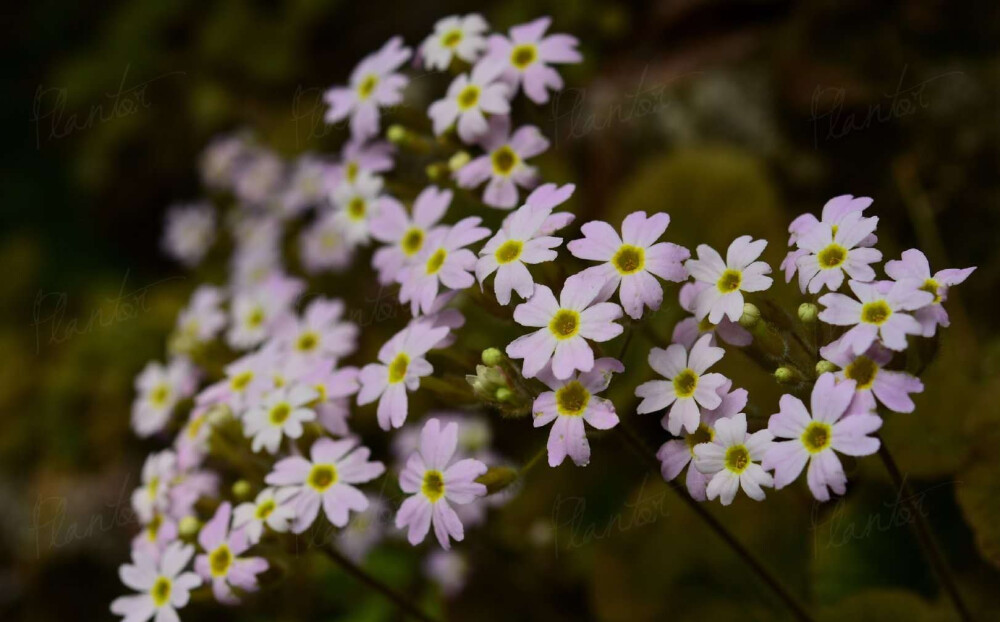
point(242, 489)
point(808, 312)
point(750, 317)
point(504, 394)
point(786, 375)
point(497, 478)
point(492, 356)
point(824, 367)
point(459, 160)
point(396, 134)
point(188, 527)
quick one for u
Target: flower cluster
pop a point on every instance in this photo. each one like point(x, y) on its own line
point(272, 380)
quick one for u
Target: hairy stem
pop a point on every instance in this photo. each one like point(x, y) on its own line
point(360, 574)
point(924, 535)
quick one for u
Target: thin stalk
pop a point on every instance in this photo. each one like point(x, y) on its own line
point(360, 574)
point(797, 609)
point(530, 464)
point(924, 535)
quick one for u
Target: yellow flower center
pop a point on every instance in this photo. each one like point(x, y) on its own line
point(329, 240)
point(433, 486)
point(161, 591)
point(436, 260)
point(833, 256)
point(241, 380)
point(730, 281)
point(219, 561)
point(279, 413)
point(523, 55)
point(509, 251)
point(153, 528)
point(703, 434)
point(565, 324)
point(412, 241)
point(307, 342)
point(322, 476)
point(351, 171)
point(160, 395)
point(356, 208)
point(469, 97)
point(737, 458)
point(875, 312)
point(705, 325)
point(685, 383)
point(862, 370)
point(367, 86)
point(451, 38)
point(817, 437)
point(255, 318)
point(264, 509)
point(932, 287)
point(397, 368)
point(504, 160)
point(629, 259)
point(572, 399)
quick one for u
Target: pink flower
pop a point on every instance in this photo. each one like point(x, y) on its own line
point(363, 157)
point(877, 315)
point(257, 310)
point(469, 98)
point(401, 366)
point(816, 436)
point(433, 482)
point(327, 479)
point(189, 232)
point(282, 413)
point(159, 389)
point(687, 387)
point(454, 37)
point(203, 319)
point(152, 497)
point(914, 266)
point(688, 330)
point(570, 403)
point(320, 333)
point(404, 234)
point(730, 459)
point(273, 508)
point(222, 563)
point(322, 245)
point(833, 250)
point(334, 387)
point(526, 57)
point(309, 185)
point(872, 382)
point(834, 212)
point(632, 261)
point(443, 260)
point(676, 454)
point(504, 162)
point(356, 205)
point(162, 584)
point(374, 83)
point(518, 242)
point(564, 328)
point(739, 273)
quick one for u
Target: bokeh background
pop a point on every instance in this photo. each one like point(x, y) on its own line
point(732, 116)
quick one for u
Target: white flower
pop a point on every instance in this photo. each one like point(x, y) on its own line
point(739, 273)
point(356, 204)
point(731, 459)
point(163, 586)
point(282, 414)
point(454, 36)
point(272, 507)
point(468, 98)
point(159, 389)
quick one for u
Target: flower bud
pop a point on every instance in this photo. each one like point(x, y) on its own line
point(786, 375)
point(497, 478)
point(492, 356)
point(824, 367)
point(808, 312)
point(242, 489)
point(438, 171)
point(459, 160)
point(188, 527)
point(396, 134)
point(504, 394)
point(750, 317)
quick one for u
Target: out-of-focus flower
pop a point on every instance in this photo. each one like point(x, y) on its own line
point(320, 333)
point(731, 460)
point(272, 507)
point(256, 311)
point(189, 232)
point(222, 563)
point(816, 436)
point(433, 481)
point(448, 569)
point(261, 179)
point(469, 99)
point(362, 157)
point(504, 163)
point(309, 186)
point(281, 414)
point(221, 158)
point(875, 315)
point(740, 272)
point(203, 319)
point(152, 496)
point(564, 328)
point(323, 246)
point(632, 261)
point(374, 84)
point(364, 530)
point(162, 583)
point(527, 55)
point(357, 204)
point(454, 37)
point(443, 260)
point(158, 391)
point(914, 266)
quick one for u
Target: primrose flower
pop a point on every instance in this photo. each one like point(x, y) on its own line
point(688, 330)
point(364, 530)
point(504, 163)
point(469, 98)
point(455, 37)
point(308, 186)
point(334, 386)
point(527, 55)
point(564, 328)
point(731, 457)
point(433, 481)
point(875, 314)
point(739, 273)
point(913, 265)
point(405, 234)
point(834, 212)
point(221, 563)
point(323, 246)
point(219, 161)
point(833, 250)
point(872, 382)
point(687, 388)
point(815, 437)
point(518, 242)
point(203, 319)
point(256, 311)
point(158, 390)
point(246, 380)
point(676, 454)
point(443, 260)
point(328, 478)
point(363, 157)
point(632, 261)
point(320, 333)
point(259, 180)
point(152, 497)
point(375, 83)
point(189, 232)
point(572, 402)
point(401, 366)
point(357, 204)
point(281, 414)
point(272, 507)
point(449, 569)
point(162, 584)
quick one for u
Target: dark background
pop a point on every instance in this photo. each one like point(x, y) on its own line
point(732, 116)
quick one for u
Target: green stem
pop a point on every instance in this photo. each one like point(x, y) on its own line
point(639, 447)
point(530, 464)
point(360, 574)
point(924, 535)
